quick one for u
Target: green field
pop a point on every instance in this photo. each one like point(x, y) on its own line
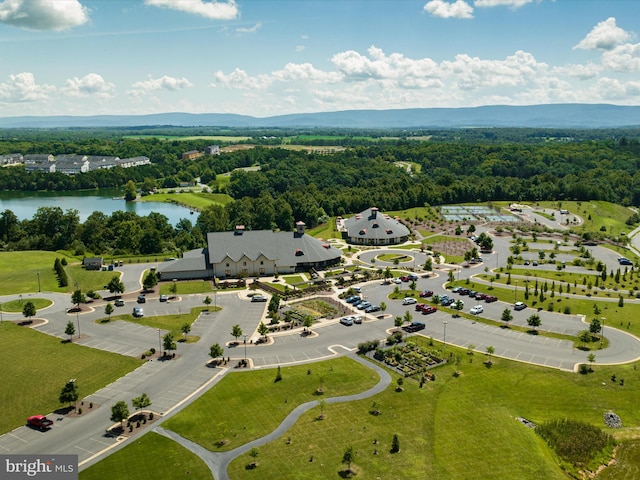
point(183, 138)
point(259, 404)
point(58, 362)
point(151, 456)
point(18, 305)
point(196, 200)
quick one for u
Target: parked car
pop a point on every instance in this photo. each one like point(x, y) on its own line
point(372, 308)
point(357, 319)
point(409, 301)
point(119, 303)
point(464, 291)
point(446, 302)
point(429, 309)
point(476, 309)
point(519, 306)
point(138, 312)
point(490, 298)
point(163, 298)
point(426, 293)
point(363, 305)
point(456, 289)
point(419, 307)
point(480, 296)
point(353, 299)
point(356, 289)
point(40, 422)
point(142, 299)
point(258, 298)
point(397, 281)
point(348, 321)
point(412, 277)
point(405, 278)
point(413, 327)
point(457, 305)
point(526, 262)
point(535, 263)
point(624, 261)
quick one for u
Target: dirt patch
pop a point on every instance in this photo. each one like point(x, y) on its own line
point(32, 322)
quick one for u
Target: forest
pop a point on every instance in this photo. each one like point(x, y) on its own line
point(293, 185)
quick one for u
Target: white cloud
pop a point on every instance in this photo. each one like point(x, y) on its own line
point(43, 14)
point(241, 80)
point(299, 48)
point(605, 35)
point(253, 29)
point(91, 84)
point(213, 10)
point(442, 9)
point(611, 89)
point(581, 72)
point(306, 72)
point(503, 3)
point(623, 58)
point(163, 83)
point(22, 87)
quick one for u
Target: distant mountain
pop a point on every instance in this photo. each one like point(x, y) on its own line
point(535, 116)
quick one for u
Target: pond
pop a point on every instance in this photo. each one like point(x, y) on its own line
point(25, 204)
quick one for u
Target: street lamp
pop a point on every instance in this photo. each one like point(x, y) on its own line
point(38, 282)
point(159, 343)
point(0, 312)
point(444, 338)
point(245, 347)
point(602, 332)
point(215, 299)
point(515, 292)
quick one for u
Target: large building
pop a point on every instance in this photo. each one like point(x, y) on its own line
point(372, 227)
point(252, 253)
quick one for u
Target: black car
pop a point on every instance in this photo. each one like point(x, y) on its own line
point(142, 299)
point(414, 327)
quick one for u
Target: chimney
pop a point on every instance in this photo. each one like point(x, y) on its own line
point(300, 227)
point(239, 230)
point(374, 212)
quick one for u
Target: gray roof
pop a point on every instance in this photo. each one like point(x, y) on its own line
point(191, 261)
point(372, 223)
point(285, 248)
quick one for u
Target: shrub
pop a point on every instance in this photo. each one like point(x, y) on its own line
point(583, 369)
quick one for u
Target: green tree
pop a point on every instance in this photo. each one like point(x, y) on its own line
point(253, 453)
point(215, 351)
point(387, 274)
point(585, 337)
point(115, 285)
point(236, 332)
point(70, 330)
point(395, 444)
point(506, 315)
point(207, 300)
point(591, 358)
point(150, 280)
point(130, 191)
point(534, 321)
point(263, 329)
point(595, 326)
point(77, 297)
point(119, 412)
point(348, 457)
point(108, 310)
point(274, 305)
point(28, 310)
point(307, 322)
point(168, 343)
point(185, 329)
point(69, 393)
point(143, 401)
point(490, 351)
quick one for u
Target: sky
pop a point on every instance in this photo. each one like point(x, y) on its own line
point(274, 57)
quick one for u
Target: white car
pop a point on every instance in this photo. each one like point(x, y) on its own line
point(409, 301)
point(348, 321)
point(475, 310)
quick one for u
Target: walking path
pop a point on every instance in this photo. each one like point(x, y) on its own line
point(218, 462)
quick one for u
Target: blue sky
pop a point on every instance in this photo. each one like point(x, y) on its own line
point(264, 58)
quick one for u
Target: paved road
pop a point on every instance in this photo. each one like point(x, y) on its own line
point(175, 383)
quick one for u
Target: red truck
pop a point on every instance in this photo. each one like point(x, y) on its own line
point(40, 422)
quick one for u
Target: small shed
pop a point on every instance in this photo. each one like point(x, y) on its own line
point(93, 263)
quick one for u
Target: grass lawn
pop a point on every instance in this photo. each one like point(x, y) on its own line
point(254, 404)
point(58, 362)
point(151, 456)
point(187, 287)
point(453, 428)
point(18, 305)
point(325, 231)
point(197, 200)
point(19, 272)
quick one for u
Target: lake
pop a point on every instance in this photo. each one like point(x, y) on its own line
point(25, 204)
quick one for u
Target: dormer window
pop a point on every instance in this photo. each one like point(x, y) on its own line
point(299, 252)
point(375, 225)
point(363, 231)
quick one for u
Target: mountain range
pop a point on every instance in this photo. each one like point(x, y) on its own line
point(575, 115)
